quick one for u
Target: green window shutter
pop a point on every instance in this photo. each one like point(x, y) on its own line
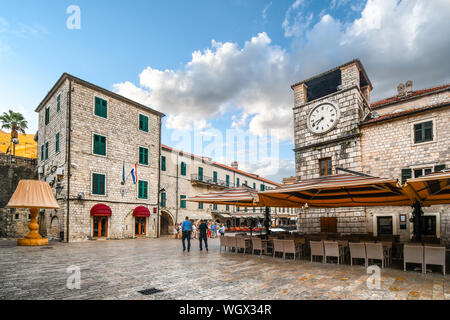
point(215, 176)
point(98, 184)
point(423, 132)
point(183, 201)
point(163, 163)
point(227, 207)
point(183, 168)
point(200, 205)
point(47, 115)
point(143, 123)
point(101, 107)
point(57, 143)
point(143, 189)
point(439, 167)
point(238, 183)
point(46, 150)
point(200, 173)
point(227, 178)
point(254, 185)
point(42, 153)
point(215, 206)
point(406, 174)
point(262, 187)
point(99, 145)
point(163, 199)
point(58, 103)
point(143, 156)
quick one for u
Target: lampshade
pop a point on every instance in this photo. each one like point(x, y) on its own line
point(33, 194)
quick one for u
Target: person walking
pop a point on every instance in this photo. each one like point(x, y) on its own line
point(222, 230)
point(203, 229)
point(209, 229)
point(213, 230)
point(186, 228)
point(194, 231)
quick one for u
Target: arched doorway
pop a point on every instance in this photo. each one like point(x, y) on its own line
point(54, 228)
point(166, 223)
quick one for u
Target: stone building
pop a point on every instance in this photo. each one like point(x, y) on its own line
point(88, 139)
point(14, 222)
point(185, 175)
point(336, 125)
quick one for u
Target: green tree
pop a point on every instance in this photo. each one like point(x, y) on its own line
point(15, 122)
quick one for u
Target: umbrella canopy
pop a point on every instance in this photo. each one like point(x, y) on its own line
point(341, 190)
point(241, 197)
point(431, 189)
point(33, 194)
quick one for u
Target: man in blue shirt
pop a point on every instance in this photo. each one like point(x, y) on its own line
point(186, 227)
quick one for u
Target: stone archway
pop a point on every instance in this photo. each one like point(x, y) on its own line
point(167, 223)
point(54, 228)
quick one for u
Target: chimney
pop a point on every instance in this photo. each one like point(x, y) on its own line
point(409, 87)
point(401, 90)
point(234, 165)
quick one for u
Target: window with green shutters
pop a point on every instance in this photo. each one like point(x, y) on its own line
point(227, 178)
point(238, 183)
point(215, 206)
point(183, 201)
point(163, 164)
point(143, 189)
point(215, 176)
point(254, 185)
point(200, 205)
point(143, 123)
point(262, 187)
point(101, 107)
point(143, 156)
point(47, 115)
point(227, 207)
point(46, 150)
point(99, 145)
point(406, 174)
point(57, 143)
point(98, 183)
point(423, 132)
point(58, 103)
point(42, 152)
point(183, 168)
point(163, 199)
point(200, 173)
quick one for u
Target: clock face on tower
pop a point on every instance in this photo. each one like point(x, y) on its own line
point(323, 118)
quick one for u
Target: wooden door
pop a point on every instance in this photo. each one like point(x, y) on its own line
point(328, 224)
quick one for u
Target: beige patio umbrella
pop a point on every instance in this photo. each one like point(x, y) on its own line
point(241, 197)
point(340, 190)
point(33, 194)
point(431, 189)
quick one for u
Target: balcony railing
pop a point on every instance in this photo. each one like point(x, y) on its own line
point(211, 181)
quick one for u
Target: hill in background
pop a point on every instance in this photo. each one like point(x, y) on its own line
point(27, 147)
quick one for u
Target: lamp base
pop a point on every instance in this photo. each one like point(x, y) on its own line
point(32, 242)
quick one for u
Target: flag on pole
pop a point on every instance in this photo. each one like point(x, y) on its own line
point(134, 173)
point(123, 173)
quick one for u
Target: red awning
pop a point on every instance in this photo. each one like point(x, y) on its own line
point(101, 210)
point(141, 211)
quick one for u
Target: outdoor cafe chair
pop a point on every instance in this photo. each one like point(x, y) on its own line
point(357, 251)
point(259, 245)
point(242, 243)
point(375, 251)
point(291, 247)
point(223, 243)
point(278, 246)
point(435, 255)
point(332, 249)
point(317, 249)
point(413, 253)
point(232, 243)
point(387, 246)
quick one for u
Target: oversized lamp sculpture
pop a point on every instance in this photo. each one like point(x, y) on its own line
point(33, 194)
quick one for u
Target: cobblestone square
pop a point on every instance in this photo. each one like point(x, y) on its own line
point(119, 269)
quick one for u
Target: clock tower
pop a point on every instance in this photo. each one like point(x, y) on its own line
point(327, 111)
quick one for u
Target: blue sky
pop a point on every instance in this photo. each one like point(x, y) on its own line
point(218, 64)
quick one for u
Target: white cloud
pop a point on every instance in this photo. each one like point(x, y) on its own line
point(264, 12)
point(300, 22)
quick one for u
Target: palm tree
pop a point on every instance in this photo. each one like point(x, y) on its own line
point(15, 122)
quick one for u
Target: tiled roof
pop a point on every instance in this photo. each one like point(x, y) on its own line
point(251, 175)
point(404, 113)
point(394, 99)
